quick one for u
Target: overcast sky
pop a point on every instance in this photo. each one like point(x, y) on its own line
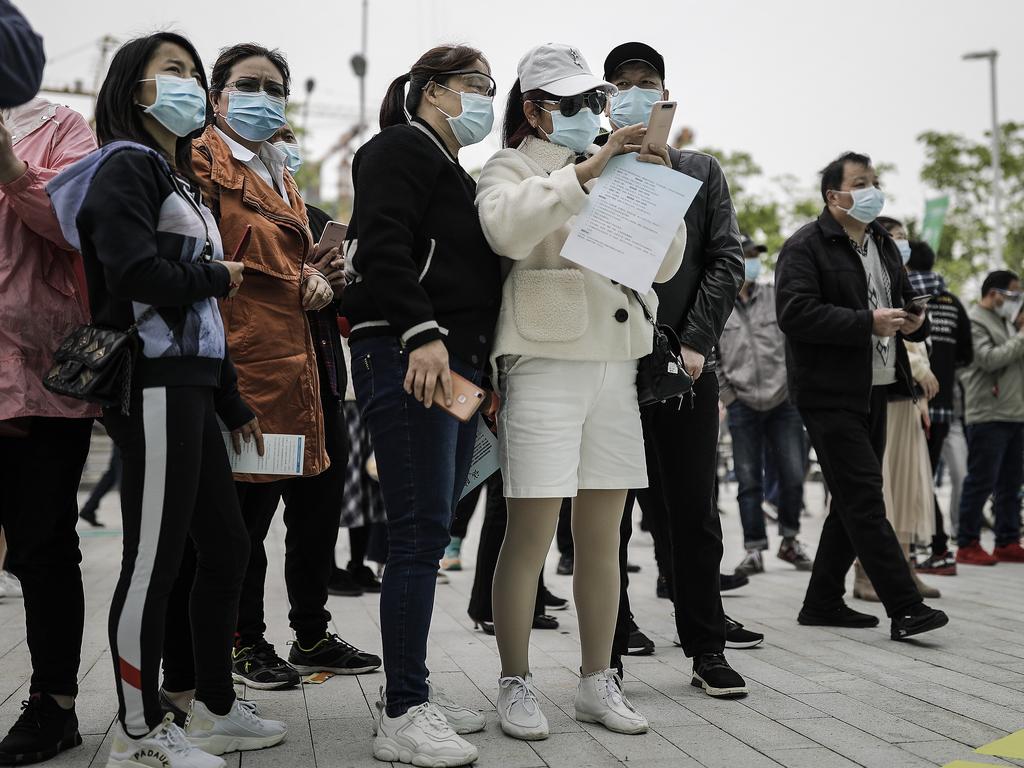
point(793, 82)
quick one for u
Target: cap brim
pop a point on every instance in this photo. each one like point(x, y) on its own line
point(582, 83)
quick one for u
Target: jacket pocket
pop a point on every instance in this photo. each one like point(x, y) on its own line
point(550, 305)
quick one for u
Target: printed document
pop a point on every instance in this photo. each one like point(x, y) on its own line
point(282, 455)
point(485, 457)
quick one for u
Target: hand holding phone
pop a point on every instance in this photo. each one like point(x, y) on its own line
point(659, 126)
point(333, 237)
point(916, 305)
point(467, 398)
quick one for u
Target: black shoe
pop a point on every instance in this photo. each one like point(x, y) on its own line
point(727, 581)
point(632, 568)
point(343, 584)
point(44, 730)
point(712, 673)
point(364, 577)
point(258, 666)
point(168, 706)
point(916, 620)
point(332, 654)
point(487, 627)
point(89, 515)
point(565, 565)
point(844, 616)
point(663, 591)
point(738, 637)
point(554, 602)
point(639, 644)
point(545, 622)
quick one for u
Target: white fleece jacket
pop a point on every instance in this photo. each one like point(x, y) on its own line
point(553, 308)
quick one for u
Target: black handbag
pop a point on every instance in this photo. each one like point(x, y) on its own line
point(661, 376)
point(95, 364)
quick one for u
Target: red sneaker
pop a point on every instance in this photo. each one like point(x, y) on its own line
point(973, 554)
point(1010, 553)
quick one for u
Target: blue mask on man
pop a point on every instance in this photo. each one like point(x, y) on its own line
point(255, 116)
point(180, 104)
point(633, 106)
point(293, 155)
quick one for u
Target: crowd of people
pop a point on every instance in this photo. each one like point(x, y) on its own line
point(178, 224)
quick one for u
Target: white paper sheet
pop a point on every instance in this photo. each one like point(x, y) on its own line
point(283, 455)
point(485, 457)
point(627, 225)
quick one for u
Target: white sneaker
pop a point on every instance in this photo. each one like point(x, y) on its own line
point(9, 585)
point(164, 747)
point(240, 730)
point(421, 737)
point(599, 699)
point(519, 710)
point(462, 719)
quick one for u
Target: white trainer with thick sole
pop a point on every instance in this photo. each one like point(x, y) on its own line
point(599, 699)
point(422, 737)
point(163, 747)
point(519, 709)
point(240, 730)
point(463, 720)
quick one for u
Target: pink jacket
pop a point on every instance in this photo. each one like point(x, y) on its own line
point(42, 286)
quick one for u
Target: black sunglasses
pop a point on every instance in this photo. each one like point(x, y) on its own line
point(595, 101)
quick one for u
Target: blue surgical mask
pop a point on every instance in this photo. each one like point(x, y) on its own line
point(633, 106)
point(180, 104)
point(577, 132)
point(751, 270)
point(903, 246)
point(867, 204)
point(476, 120)
point(255, 116)
point(294, 154)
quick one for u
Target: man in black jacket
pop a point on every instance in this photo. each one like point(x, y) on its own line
point(682, 440)
point(840, 297)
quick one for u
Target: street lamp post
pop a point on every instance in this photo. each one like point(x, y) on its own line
point(997, 169)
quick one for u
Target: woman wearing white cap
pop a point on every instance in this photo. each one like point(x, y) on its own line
point(566, 350)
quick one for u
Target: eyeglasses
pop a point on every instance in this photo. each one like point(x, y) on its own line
point(473, 81)
point(595, 101)
point(1010, 295)
point(272, 88)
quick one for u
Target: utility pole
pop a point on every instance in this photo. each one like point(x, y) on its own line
point(359, 68)
point(997, 168)
point(107, 43)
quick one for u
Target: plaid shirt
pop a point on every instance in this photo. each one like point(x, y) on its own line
point(323, 324)
point(932, 282)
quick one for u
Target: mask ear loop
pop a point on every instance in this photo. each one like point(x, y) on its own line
point(405, 99)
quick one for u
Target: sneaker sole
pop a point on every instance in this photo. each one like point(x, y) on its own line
point(272, 686)
point(522, 734)
point(304, 670)
point(647, 650)
point(221, 745)
point(37, 757)
point(557, 607)
point(937, 622)
point(719, 693)
point(744, 644)
point(388, 751)
point(633, 729)
point(807, 622)
point(949, 571)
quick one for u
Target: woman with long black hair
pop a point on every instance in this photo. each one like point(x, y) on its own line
point(422, 301)
point(153, 261)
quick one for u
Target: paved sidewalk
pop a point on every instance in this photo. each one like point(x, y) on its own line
point(819, 698)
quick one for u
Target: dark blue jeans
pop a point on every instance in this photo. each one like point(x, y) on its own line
point(995, 466)
point(423, 456)
point(779, 433)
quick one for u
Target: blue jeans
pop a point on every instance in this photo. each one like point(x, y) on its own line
point(423, 456)
point(780, 434)
point(995, 466)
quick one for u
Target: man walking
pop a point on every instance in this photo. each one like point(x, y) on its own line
point(752, 380)
point(841, 289)
point(994, 413)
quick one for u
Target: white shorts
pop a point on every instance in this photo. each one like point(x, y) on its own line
point(566, 426)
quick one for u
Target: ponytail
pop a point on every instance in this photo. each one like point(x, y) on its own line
point(517, 127)
point(434, 65)
point(393, 109)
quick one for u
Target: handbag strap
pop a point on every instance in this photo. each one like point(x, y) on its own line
point(647, 311)
point(134, 327)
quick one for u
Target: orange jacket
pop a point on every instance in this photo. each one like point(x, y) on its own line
point(267, 330)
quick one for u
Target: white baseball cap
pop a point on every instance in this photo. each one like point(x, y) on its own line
point(560, 70)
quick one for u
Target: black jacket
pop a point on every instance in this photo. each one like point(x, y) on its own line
point(822, 307)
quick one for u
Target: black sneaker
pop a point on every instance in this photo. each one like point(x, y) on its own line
point(332, 654)
point(44, 730)
point(794, 553)
point(89, 515)
point(916, 620)
point(663, 591)
point(632, 568)
point(728, 581)
point(258, 666)
point(364, 577)
point(738, 637)
point(843, 616)
point(639, 644)
point(543, 621)
point(343, 584)
point(565, 565)
point(553, 602)
point(180, 715)
point(712, 673)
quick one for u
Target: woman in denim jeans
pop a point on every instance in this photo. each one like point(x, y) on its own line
point(422, 301)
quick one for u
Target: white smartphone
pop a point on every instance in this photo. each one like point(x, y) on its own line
point(659, 126)
point(333, 237)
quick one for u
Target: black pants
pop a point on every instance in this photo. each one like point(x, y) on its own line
point(39, 477)
point(850, 447)
point(111, 479)
point(620, 641)
point(464, 512)
point(679, 505)
point(936, 439)
point(563, 533)
point(311, 515)
point(176, 483)
point(492, 533)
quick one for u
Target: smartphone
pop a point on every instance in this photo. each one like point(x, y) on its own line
point(333, 237)
point(917, 304)
point(659, 126)
point(467, 398)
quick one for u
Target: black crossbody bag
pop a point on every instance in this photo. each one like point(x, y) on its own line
point(661, 376)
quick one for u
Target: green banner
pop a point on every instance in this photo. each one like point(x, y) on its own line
point(934, 221)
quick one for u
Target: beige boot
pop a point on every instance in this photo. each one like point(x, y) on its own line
point(922, 589)
point(862, 588)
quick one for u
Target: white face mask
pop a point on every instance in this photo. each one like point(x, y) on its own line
point(1010, 308)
